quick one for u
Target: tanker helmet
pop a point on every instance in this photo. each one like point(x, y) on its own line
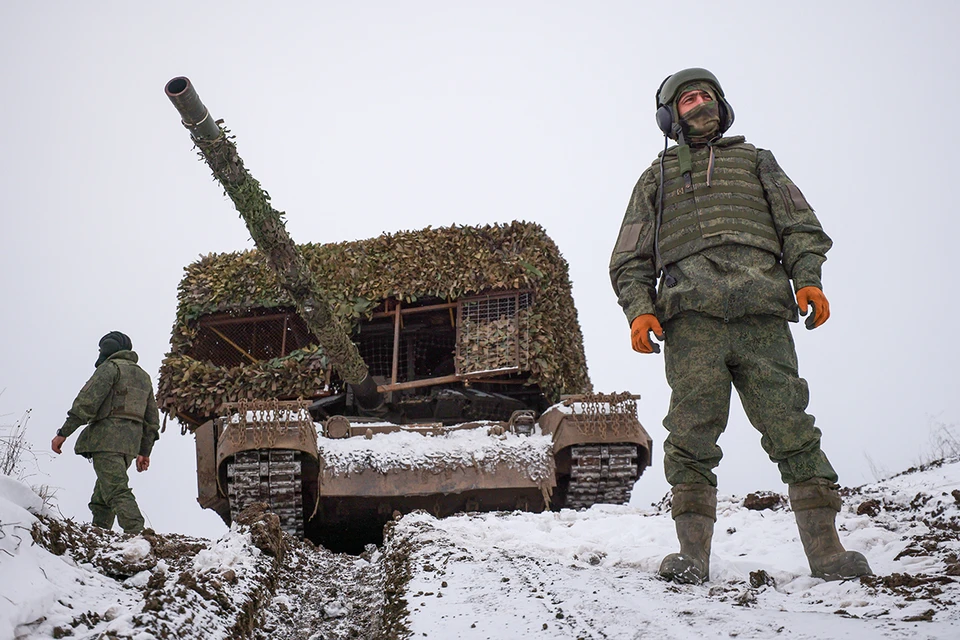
point(667, 94)
point(111, 343)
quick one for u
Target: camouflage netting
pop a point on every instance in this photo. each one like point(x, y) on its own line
point(446, 264)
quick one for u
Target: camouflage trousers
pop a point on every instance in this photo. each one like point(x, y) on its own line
point(756, 354)
point(112, 496)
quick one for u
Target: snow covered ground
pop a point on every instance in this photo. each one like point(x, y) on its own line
point(587, 574)
point(58, 579)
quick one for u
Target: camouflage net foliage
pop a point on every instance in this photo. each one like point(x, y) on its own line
point(509, 336)
point(269, 233)
point(446, 263)
point(197, 390)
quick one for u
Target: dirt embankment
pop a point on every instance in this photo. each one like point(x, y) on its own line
point(255, 582)
point(573, 574)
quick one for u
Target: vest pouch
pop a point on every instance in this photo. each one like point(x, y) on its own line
point(733, 209)
point(131, 405)
point(129, 397)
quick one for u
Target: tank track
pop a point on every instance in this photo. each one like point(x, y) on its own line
point(271, 476)
point(601, 474)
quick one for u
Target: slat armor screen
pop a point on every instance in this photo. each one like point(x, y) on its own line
point(230, 341)
point(421, 353)
point(494, 333)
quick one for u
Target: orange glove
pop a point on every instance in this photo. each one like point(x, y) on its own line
point(640, 330)
point(821, 307)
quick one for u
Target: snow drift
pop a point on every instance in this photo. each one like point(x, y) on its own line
point(588, 574)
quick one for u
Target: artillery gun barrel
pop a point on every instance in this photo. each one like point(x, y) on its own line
point(272, 239)
point(194, 115)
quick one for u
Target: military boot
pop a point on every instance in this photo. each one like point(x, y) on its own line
point(694, 512)
point(815, 504)
point(104, 522)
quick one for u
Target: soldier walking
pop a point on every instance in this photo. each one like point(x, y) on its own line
point(119, 409)
point(724, 230)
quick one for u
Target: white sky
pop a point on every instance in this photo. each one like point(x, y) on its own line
point(367, 117)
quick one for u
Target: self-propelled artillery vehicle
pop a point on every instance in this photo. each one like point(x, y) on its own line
point(440, 369)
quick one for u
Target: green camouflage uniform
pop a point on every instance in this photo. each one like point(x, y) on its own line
point(119, 409)
point(732, 246)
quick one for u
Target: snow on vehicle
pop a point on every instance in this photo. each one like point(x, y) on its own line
point(440, 369)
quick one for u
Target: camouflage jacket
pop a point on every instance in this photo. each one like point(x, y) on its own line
point(118, 407)
point(728, 276)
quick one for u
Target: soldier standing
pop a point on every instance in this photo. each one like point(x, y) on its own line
point(119, 409)
point(723, 228)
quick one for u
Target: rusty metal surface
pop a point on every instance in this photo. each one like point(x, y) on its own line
point(207, 493)
point(419, 482)
point(266, 424)
point(337, 427)
point(596, 418)
point(601, 448)
point(342, 427)
point(603, 416)
point(432, 382)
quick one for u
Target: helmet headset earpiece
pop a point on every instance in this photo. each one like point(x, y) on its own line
point(664, 112)
point(667, 94)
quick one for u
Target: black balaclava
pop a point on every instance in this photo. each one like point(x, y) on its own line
point(111, 343)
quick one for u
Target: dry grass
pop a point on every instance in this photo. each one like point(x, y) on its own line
point(17, 457)
point(14, 447)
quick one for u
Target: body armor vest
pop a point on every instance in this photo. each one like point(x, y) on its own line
point(731, 210)
point(128, 397)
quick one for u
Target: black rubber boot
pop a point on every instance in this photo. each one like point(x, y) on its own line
point(694, 513)
point(815, 504)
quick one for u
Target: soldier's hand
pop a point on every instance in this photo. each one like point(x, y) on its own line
point(821, 307)
point(143, 463)
point(640, 330)
point(56, 443)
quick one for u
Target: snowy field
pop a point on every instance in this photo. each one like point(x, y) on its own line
point(571, 575)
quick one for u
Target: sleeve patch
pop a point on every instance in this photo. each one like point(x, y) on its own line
point(797, 196)
point(629, 236)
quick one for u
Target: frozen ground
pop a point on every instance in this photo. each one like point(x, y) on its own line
point(553, 575)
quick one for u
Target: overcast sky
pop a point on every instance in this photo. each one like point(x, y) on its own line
point(366, 117)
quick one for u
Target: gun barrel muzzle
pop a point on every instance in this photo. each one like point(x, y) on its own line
point(193, 114)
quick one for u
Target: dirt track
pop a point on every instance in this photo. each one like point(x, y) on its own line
point(516, 575)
